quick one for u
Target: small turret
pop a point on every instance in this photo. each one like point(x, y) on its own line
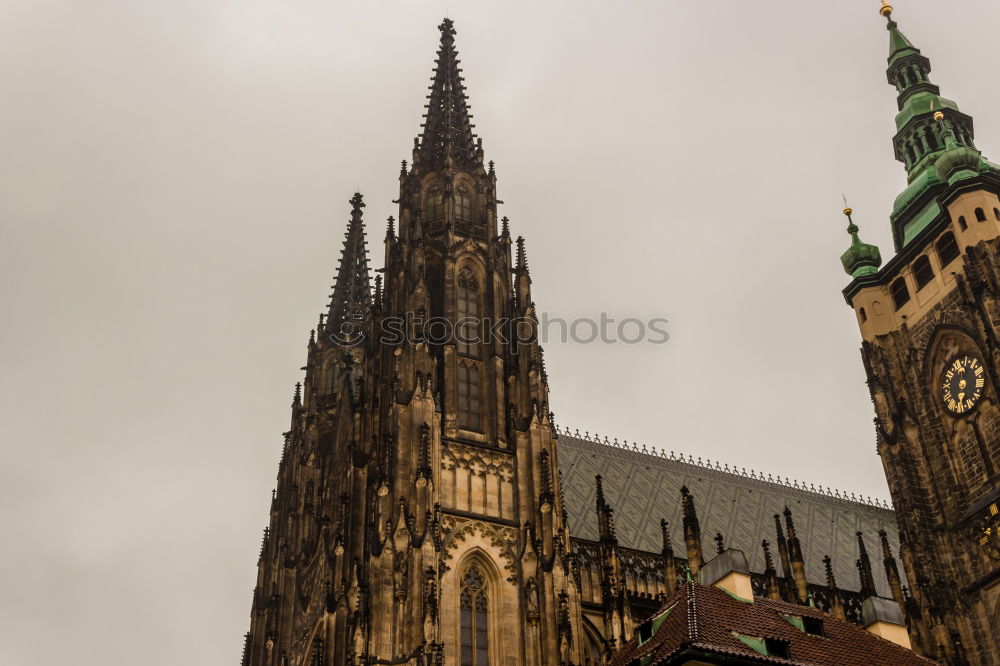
point(861, 258)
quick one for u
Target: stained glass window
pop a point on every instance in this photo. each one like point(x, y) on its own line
point(474, 641)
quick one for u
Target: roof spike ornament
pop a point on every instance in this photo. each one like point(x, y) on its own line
point(861, 258)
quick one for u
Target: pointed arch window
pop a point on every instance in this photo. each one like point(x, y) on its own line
point(463, 204)
point(468, 315)
point(469, 396)
point(435, 205)
point(980, 215)
point(330, 377)
point(474, 611)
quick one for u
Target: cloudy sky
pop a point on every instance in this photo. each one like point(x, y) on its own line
point(174, 179)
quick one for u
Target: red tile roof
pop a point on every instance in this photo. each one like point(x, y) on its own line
point(703, 619)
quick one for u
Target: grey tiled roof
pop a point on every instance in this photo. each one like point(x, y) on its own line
point(644, 488)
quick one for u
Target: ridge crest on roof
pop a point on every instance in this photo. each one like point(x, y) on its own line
point(726, 469)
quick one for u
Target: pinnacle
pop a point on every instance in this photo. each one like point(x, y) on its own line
point(447, 136)
point(351, 300)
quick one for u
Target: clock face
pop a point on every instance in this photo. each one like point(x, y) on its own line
point(962, 384)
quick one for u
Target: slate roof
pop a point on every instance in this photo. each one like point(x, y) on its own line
point(644, 488)
point(703, 619)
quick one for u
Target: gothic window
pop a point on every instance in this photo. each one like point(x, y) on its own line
point(469, 396)
point(947, 249)
point(900, 294)
point(474, 618)
point(467, 311)
point(463, 204)
point(330, 378)
point(962, 224)
point(923, 272)
point(980, 215)
point(863, 314)
point(434, 209)
point(996, 213)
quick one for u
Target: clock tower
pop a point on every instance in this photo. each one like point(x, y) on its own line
point(930, 322)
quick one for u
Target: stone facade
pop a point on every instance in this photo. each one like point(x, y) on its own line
point(422, 513)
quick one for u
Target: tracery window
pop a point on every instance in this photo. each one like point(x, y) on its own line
point(469, 397)
point(474, 618)
point(463, 204)
point(467, 309)
point(330, 378)
point(435, 205)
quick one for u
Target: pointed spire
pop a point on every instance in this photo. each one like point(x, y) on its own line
point(786, 565)
point(770, 575)
point(795, 559)
point(891, 570)
point(832, 593)
point(861, 258)
point(447, 137)
point(865, 569)
point(350, 304)
point(692, 531)
point(521, 267)
point(918, 143)
point(297, 398)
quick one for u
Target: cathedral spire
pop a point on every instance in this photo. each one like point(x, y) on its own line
point(865, 569)
point(350, 304)
point(447, 138)
point(920, 140)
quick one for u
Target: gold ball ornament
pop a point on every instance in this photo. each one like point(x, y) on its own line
point(886, 9)
point(938, 116)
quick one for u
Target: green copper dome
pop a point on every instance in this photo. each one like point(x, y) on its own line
point(861, 258)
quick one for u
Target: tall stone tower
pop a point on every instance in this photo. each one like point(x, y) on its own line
point(930, 320)
point(418, 516)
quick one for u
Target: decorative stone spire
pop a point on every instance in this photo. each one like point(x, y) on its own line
point(861, 258)
point(447, 138)
point(832, 593)
point(891, 570)
point(669, 564)
point(770, 575)
point(692, 531)
point(786, 565)
point(865, 569)
point(350, 305)
point(796, 559)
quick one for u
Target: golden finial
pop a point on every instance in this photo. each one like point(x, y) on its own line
point(938, 116)
point(886, 9)
point(847, 209)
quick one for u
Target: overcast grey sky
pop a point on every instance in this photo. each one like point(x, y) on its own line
point(174, 179)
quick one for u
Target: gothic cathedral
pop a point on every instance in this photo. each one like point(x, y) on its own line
point(425, 497)
point(448, 541)
point(930, 320)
